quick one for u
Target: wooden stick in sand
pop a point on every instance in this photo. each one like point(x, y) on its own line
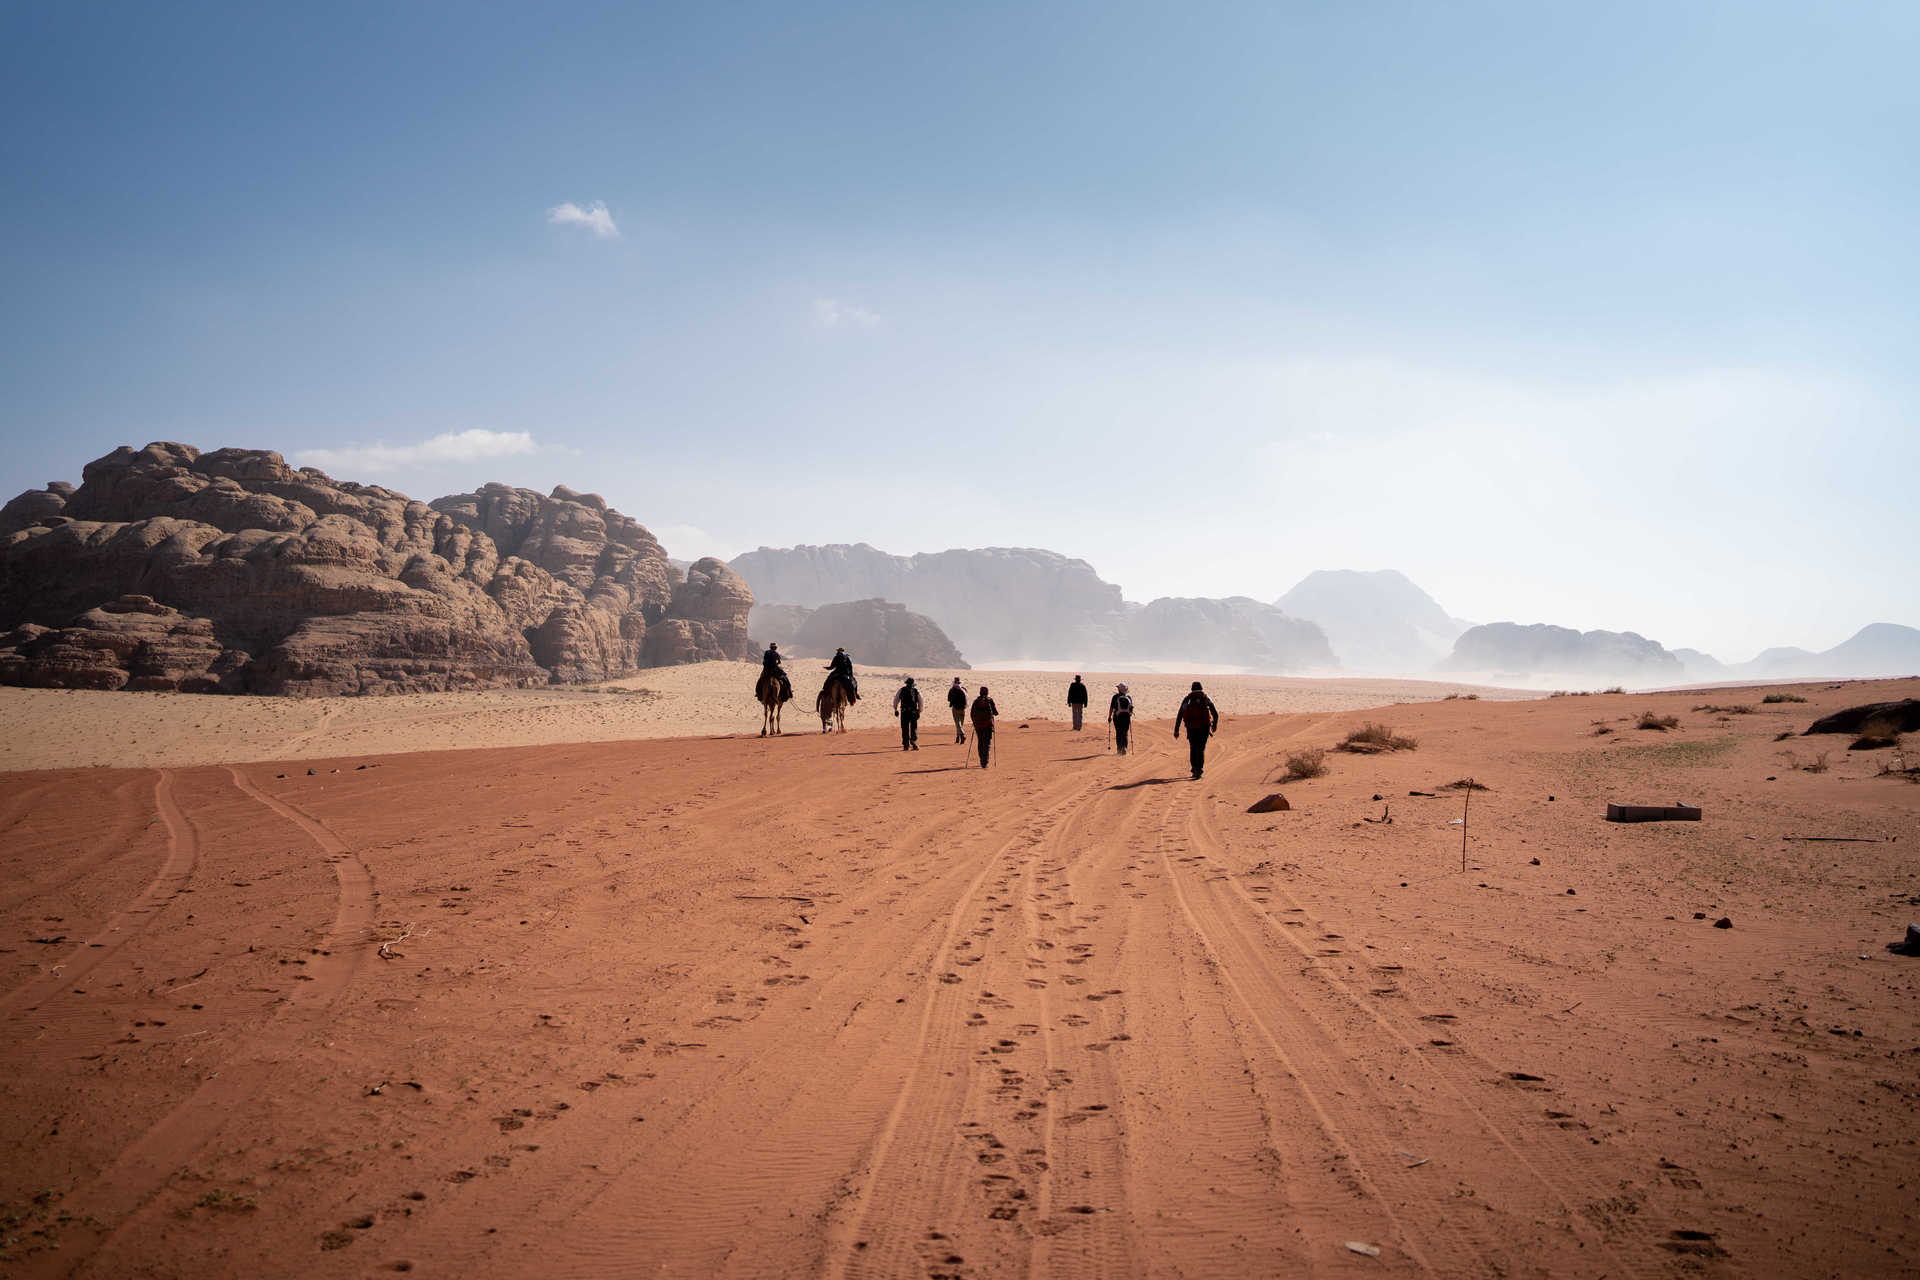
point(1463, 824)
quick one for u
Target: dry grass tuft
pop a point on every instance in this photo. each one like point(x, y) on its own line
point(1648, 720)
point(1377, 737)
point(1783, 697)
point(1737, 709)
point(1818, 764)
point(1310, 763)
point(1876, 734)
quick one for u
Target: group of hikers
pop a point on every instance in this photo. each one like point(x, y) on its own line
point(1197, 714)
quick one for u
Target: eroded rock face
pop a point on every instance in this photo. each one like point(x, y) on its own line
point(1235, 631)
point(875, 632)
point(1542, 649)
point(173, 569)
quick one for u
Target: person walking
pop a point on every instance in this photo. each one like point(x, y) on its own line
point(957, 703)
point(906, 705)
point(1077, 701)
point(983, 713)
point(1202, 720)
point(1120, 715)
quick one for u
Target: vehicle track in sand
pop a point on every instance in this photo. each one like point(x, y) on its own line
point(123, 1193)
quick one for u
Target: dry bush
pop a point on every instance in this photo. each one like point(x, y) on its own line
point(1875, 734)
point(1310, 763)
point(1783, 697)
point(1737, 709)
point(1371, 736)
point(1783, 735)
point(1817, 764)
point(1648, 720)
point(1602, 731)
point(1461, 697)
point(1615, 689)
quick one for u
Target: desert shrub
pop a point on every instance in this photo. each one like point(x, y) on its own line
point(1371, 736)
point(1783, 735)
point(1615, 689)
point(1462, 697)
point(1737, 709)
point(1602, 731)
point(1783, 697)
point(1818, 764)
point(1648, 720)
point(1310, 763)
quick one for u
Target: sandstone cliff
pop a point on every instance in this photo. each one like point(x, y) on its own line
point(1509, 649)
point(1236, 631)
point(172, 569)
point(875, 632)
point(1375, 621)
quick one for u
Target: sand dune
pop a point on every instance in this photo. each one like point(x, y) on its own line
point(815, 1006)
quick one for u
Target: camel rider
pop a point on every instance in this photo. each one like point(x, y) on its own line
point(770, 666)
point(842, 666)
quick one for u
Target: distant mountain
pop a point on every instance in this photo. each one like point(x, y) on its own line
point(1702, 667)
point(1006, 604)
point(1376, 621)
point(1236, 631)
point(1877, 649)
point(1509, 650)
point(877, 632)
point(997, 603)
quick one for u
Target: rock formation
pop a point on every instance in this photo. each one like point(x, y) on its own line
point(1004, 603)
point(173, 569)
point(1877, 649)
point(1375, 621)
point(1509, 649)
point(1237, 631)
point(875, 632)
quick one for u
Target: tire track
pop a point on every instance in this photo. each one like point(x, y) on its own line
point(1446, 1067)
point(144, 1167)
point(175, 873)
point(127, 828)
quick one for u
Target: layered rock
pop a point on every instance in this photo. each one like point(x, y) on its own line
point(875, 632)
point(1877, 649)
point(1509, 649)
point(230, 570)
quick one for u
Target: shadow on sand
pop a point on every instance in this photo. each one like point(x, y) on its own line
point(1144, 782)
point(951, 768)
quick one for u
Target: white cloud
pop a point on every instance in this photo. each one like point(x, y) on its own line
point(832, 313)
point(690, 542)
point(471, 445)
point(594, 218)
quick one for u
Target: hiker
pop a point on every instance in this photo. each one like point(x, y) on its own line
point(770, 665)
point(1201, 719)
point(957, 702)
point(983, 713)
point(1077, 701)
point(1120, 715)
point(842, 666)
point(906, 705)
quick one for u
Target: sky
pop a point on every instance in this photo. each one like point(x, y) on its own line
point(1598, 315)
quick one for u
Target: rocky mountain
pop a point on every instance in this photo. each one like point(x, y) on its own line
point(875, 632)
point(1005, 604)
point(1509, 650)
point(230, 571)
point(999, 603)
point(1702, 667)
point(1375, 621)
point(1877, 649)
point(1236, 631)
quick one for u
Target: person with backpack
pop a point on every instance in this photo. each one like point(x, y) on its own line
point(957, 703)
point(906, 705)
point(1076, 701)
point(1202, 720)
point(1120, 715)
point(983, 713)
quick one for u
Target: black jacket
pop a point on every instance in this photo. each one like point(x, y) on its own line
point(1113, 705)
point(1076, 694)
point(956, 697)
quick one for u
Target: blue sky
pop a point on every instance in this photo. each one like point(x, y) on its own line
point(1602, 315)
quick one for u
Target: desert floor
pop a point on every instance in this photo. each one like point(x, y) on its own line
point(811, 1005)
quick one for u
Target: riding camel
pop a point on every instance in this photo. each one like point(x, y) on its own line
point(832, 705)
point(773, 693)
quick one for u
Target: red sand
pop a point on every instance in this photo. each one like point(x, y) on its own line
point(811, 1005)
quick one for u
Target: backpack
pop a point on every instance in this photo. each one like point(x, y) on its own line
point(1122, 704)
point(909, 701)
point(983, 713)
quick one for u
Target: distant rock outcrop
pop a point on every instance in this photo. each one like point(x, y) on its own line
point(1877, 649)
point(1002, 603)
point(1702, 667)
point(231, 571)
point(1237, 631)
point(1507, 648)
point(875, 632)
point(1375, 621)
point(1005, 604)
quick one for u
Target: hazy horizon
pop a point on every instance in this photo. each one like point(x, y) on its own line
point(1600, 318)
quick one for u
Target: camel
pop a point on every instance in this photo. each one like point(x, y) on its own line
point(769, 692)
point(832, 705)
